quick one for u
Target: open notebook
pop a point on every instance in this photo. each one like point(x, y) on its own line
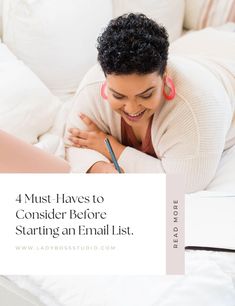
point(210, 220)
point(17, 156)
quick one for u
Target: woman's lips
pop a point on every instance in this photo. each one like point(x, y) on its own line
point(134, 117)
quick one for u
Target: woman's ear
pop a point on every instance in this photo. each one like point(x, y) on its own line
point(168, 88)
point(103, 91)
point(165, 73)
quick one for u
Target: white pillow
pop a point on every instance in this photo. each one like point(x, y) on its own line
point(207, 281)
point(56, 39)
point(167, 12)
point(204, 13)
point(27, 108)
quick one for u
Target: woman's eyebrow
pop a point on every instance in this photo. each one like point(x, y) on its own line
point(145, 91)
point(116, 92)
point(136, 95)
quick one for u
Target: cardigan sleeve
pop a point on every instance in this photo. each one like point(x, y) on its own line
point(81, 159)
point(135, 161)
point(197, 171)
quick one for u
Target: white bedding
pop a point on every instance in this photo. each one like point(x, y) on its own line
point(52, 141)
point(209, 280)
point(27, 107)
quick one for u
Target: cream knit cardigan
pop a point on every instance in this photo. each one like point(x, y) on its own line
point(189, 134)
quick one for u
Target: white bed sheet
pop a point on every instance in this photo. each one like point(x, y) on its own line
point(224, 180)
point(209, 280)
point(52, 141)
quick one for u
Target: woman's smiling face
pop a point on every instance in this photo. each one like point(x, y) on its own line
point(135, 97)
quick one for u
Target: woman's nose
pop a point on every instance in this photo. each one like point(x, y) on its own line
point(132, 107)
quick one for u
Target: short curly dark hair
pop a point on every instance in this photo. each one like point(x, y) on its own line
point(133, 43)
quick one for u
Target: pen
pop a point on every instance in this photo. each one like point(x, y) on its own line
point(113, 157)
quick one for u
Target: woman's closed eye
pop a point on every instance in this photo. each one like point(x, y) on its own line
point(143, 97)
point(118, 97)
point(147, 96)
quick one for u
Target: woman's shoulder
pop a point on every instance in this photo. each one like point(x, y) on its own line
point(93, 78)
point(196, 84)
point(88, 94)
point(88, 100)
point(200, 108)
point(187, 71)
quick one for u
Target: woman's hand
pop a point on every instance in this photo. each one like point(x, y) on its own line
point(94, 138)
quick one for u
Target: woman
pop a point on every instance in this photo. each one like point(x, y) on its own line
point(160, 115)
